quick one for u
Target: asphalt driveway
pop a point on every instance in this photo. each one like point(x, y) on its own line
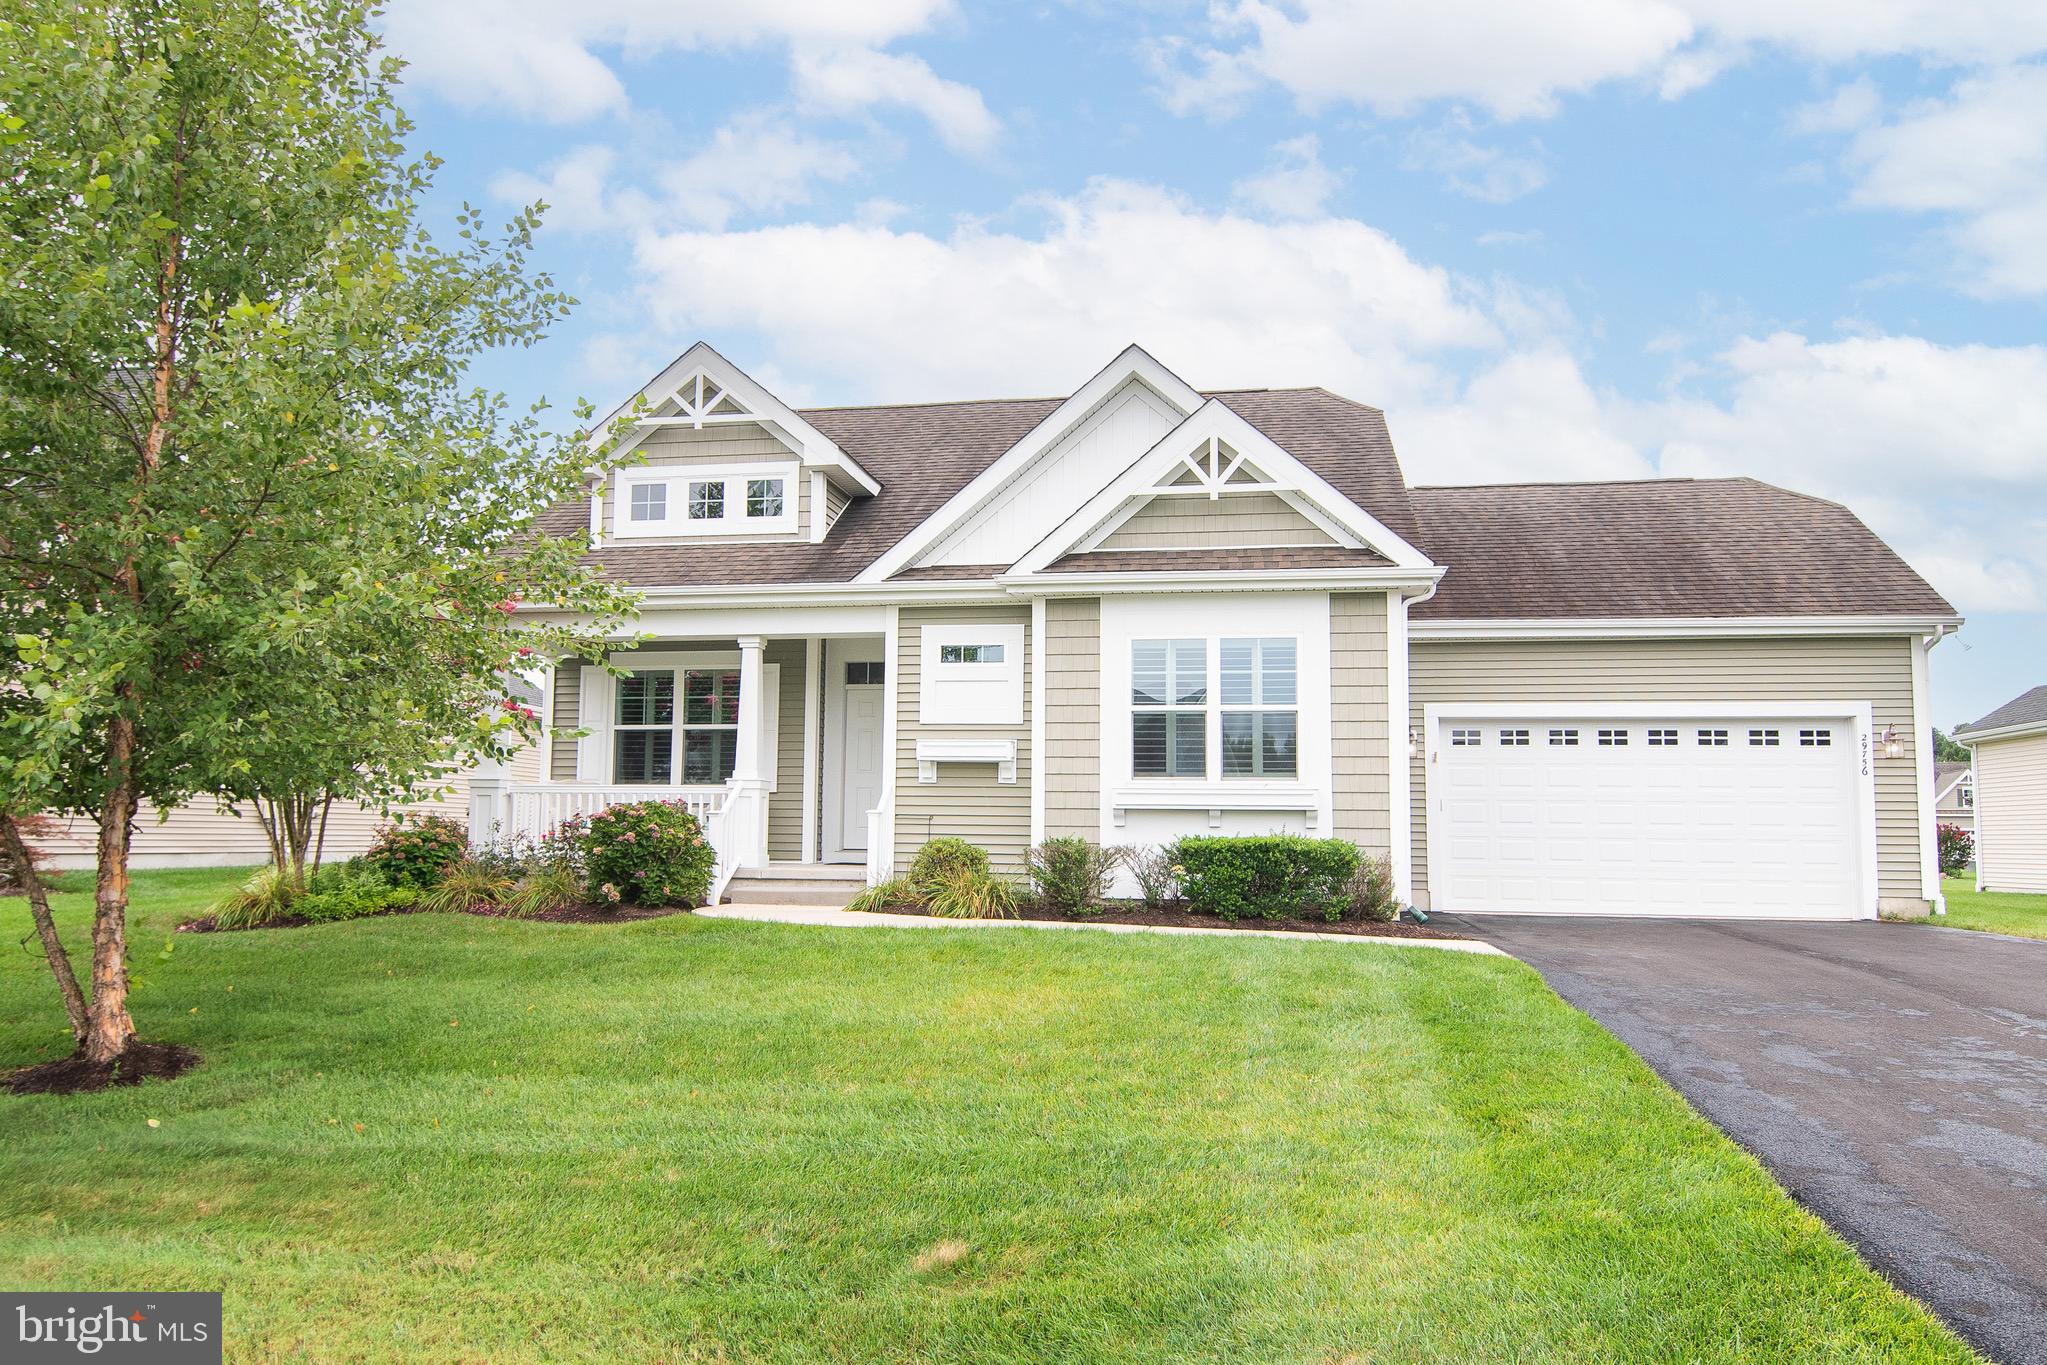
point(1893, 1077)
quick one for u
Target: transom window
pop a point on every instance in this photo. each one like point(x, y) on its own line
point(1713, 739)
point(1564, 738)
point(1169, 708)
point(1466, 739)
point(970, 654)
point(645, 727)
point(650, 502)
point(1815, 739)
point(1662, 739)
point(1259, 722)
point(707, 500)
point(1613, 739)
point(1763, 738)
point(1514, 738)
point(859, 673)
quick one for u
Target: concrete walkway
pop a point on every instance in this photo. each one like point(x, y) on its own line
point(858, 919)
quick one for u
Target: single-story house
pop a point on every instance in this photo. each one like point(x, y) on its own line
point(2010, 750)
point(1954, 795)
point(1142, 610)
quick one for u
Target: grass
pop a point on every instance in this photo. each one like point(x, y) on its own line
point(1999, 912)
point(448, 1138)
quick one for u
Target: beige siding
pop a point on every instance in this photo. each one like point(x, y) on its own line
point(681, 447)
point(1234, 522)
point(835, 500)
point(2011, 813)
point(785, 803)
point(568, 701)
point(1073, 717)
point(1878, 671)
point(1357, 720)
point(966, 801)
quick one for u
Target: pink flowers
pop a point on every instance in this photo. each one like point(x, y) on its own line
point(509, 605)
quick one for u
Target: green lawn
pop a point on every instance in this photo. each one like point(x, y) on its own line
point(2000, 912)
point(443, 1138)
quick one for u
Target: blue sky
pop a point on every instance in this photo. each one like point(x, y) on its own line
point(1590, 239)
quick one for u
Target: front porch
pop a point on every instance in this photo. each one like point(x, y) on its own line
point(775, 744)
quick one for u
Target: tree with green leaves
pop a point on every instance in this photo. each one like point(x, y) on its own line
point(1945, 750)
point(259, 536)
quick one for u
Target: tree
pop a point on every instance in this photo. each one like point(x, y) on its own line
point(248, 489)
point(1945, 750)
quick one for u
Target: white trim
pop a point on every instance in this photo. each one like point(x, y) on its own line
point(1971, 738)
point(1132, 363)
point(891, 692)
point(813, 741)
point(1940, 794)
point(676, 480)
point(1857, 713)
point(547, 682)
point(1653, 627)
point(1400, 778)
point(1216, 421)
point(971, 693)
point(1923, 759)
point(1000, 752)
point(1038, 654)
point(597, 514)
point(818, 507)
point(1235, 580)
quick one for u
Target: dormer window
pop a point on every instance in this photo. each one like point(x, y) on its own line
point(698, 500)
point(706, 500)
point(763, 498)
point(650, 502)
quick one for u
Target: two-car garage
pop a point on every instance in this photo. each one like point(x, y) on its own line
point(1636, 810)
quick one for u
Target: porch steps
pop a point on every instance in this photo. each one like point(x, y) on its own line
point(824, 884)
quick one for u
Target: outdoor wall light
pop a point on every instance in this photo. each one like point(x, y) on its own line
point(1414, 743)
point(1893, 747)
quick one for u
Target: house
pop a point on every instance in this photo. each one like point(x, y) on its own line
point(2010, 750)
point(1954, 795)
point(1140, 611)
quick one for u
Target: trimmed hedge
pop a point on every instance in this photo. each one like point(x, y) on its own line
point(1266, 876)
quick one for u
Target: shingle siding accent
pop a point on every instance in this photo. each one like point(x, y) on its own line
point(2011, 813)
point(1234, 522)
point(1359, 752)
point(1072, 770)
point(785, 802)
point(681, 447)
point(1874, 669)
point(966, 801)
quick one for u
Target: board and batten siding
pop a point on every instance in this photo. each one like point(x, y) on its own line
point(785, 802)
point(1358, 738)
point(966, 801)
point(682, 447)
point(1239, 521)
point(1072, 769)
point(1877, 670)
point(2011, 813)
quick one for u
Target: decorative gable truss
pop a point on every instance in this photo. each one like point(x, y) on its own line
point(1215, 460)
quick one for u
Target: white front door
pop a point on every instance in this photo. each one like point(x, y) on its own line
point(1678, 815)
point(855, 702)
point(860, 766)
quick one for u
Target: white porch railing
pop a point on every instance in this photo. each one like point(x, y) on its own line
point(881, 852)
point(535, 809)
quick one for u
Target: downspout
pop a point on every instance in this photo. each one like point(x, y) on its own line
point(1922, 720)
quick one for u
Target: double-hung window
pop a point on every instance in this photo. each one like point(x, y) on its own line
point(1260, 716)
point(645, 729)
point(1169, 708)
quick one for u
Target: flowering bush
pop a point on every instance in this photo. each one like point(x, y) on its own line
point(1957, 847)
point(415, 852)
point(643, 853)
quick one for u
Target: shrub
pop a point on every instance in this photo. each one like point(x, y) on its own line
point(1369, 893)
point(1957, 847)
point(1158, 876)
point(886, 895)
point(465, 886)
point(353, 902)
point(942, 857)
point(645, 853)
point(547, 887)
point(265, 898)
point(969, 893)
point(415, 852)
point(1272, 876)
point(1071, 875)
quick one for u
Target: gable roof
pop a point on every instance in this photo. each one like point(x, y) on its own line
point(1345, 442)
point(2028, 708)
point(1947, 776)
point(1658, 547)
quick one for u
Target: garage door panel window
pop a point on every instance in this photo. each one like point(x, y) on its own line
point(1613, 739)
point(1763, 738)
point(1662, 739)
point(1465, 739)
point(1712, 739)
point(1563, 739)
point(1514, 739)
point(1815, 739)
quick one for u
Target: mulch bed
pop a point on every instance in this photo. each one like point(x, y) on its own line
point(571, 914)
point(75, 1075)
point(1187, 919)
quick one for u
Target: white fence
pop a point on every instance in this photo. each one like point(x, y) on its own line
point(500, 809)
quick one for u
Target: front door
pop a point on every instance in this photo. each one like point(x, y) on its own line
point(855, 703)
point(860, 763)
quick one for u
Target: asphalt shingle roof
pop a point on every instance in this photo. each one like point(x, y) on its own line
point(2028, 708)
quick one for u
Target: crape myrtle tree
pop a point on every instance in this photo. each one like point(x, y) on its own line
point(259, 538)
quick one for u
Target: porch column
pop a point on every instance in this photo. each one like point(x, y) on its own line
point(747, 825)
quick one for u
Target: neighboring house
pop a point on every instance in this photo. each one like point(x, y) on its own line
point(1142, 611)
point(1954, 795)
point(2010, 750)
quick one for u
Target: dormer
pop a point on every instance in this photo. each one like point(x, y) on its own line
point(705, 454)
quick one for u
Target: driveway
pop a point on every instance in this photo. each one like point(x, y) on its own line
point(1893, 1077)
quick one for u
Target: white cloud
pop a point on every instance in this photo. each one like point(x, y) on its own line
point(1294, 184)
point(1531, 416)
point(1978, 156)
point(756, 164)
point(1854, 105)
point(1516, 59)
point(539, 58)
point(1471, 168)
point(849, 80)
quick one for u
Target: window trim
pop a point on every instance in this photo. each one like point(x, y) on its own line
point(1212, 708)
point(603, 726)
point(676, 481)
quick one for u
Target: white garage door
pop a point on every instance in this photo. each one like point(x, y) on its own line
point(1672, 816)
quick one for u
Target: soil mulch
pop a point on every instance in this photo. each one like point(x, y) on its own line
point(1187, 919)
point(568, 914)
point(75, 1075)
